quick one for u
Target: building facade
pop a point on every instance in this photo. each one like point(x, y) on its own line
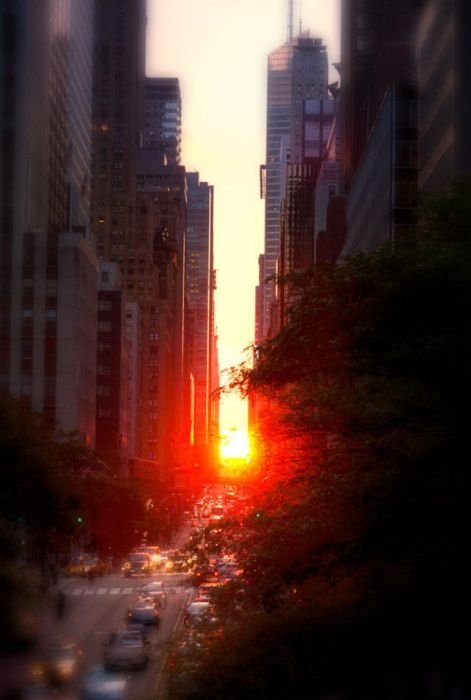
point(444, 87)
point(112, 438)
point(378, 50)
point(162, 124)
point(297, 70)
point(47, 259)
point(382, 202)
point(154, 278)
point(199, 295)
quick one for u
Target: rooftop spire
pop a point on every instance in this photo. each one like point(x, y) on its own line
point(290, 20)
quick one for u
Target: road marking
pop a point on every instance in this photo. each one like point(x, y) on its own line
point(117, 590)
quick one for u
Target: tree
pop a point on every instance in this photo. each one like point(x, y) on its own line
point(358, 550)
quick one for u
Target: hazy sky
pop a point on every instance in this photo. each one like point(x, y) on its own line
point(218, 49)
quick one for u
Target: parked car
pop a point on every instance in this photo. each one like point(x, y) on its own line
point(144, 611)
point(99, 684)
point(126, 650)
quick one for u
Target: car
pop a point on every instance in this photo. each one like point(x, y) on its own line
point(195, 610)
point(150, 550)
point(144, 611)
point(59, 665)
point(99, 684)
point(137, 564)
point(154, 590)
point(87, 564)
point(126, 650)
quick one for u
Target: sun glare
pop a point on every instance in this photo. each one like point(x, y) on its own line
point(235, 445)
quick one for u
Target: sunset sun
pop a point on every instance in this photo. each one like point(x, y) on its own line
point(235, 445)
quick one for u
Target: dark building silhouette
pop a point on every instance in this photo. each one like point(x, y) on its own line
point(378, 50)
point(48, 269)
point(444, 62)
point(112, 370)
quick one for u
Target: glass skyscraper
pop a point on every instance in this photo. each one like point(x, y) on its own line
point(297, 70)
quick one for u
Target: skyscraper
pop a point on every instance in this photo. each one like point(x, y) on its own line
point(378, 51)
point(162, 117)
point(48, 268)
point(155, 264)
point(118, 94)
point(444, 93)
point(199, 295)
point(297, 70)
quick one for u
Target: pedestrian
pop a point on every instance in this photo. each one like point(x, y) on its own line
point(91, 576)
point(60, 604)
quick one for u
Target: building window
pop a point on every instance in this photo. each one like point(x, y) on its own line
point(104, 326)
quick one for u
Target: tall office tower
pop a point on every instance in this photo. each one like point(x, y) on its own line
point(118, 84)
point(47, 266)
point(199, 296)
point(310, 132)
point(444, 40)
point(154, 277)
point(377, 52)
point(112, 370)
point(162, 125)
point(118, 79)
point(296, 70)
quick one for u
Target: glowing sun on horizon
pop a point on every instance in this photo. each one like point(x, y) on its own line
point(235, 445)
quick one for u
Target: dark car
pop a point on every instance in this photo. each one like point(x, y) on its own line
point(126, 650)
point(144, 612)
point(59, 665)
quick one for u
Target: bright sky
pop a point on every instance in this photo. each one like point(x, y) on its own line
point(218, 49)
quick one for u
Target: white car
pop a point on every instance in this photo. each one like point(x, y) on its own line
point(196, 609)
point(154, 590)
point(98, 684)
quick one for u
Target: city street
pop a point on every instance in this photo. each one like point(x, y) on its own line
point(94, 609)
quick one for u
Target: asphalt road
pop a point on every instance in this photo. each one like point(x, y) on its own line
point(93, 610)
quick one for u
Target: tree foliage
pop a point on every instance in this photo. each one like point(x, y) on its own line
point(354, 563)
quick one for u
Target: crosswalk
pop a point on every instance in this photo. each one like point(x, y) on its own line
point(97, 590)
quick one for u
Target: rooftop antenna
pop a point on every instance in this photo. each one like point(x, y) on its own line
point(290, 20)
point(300, 18)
